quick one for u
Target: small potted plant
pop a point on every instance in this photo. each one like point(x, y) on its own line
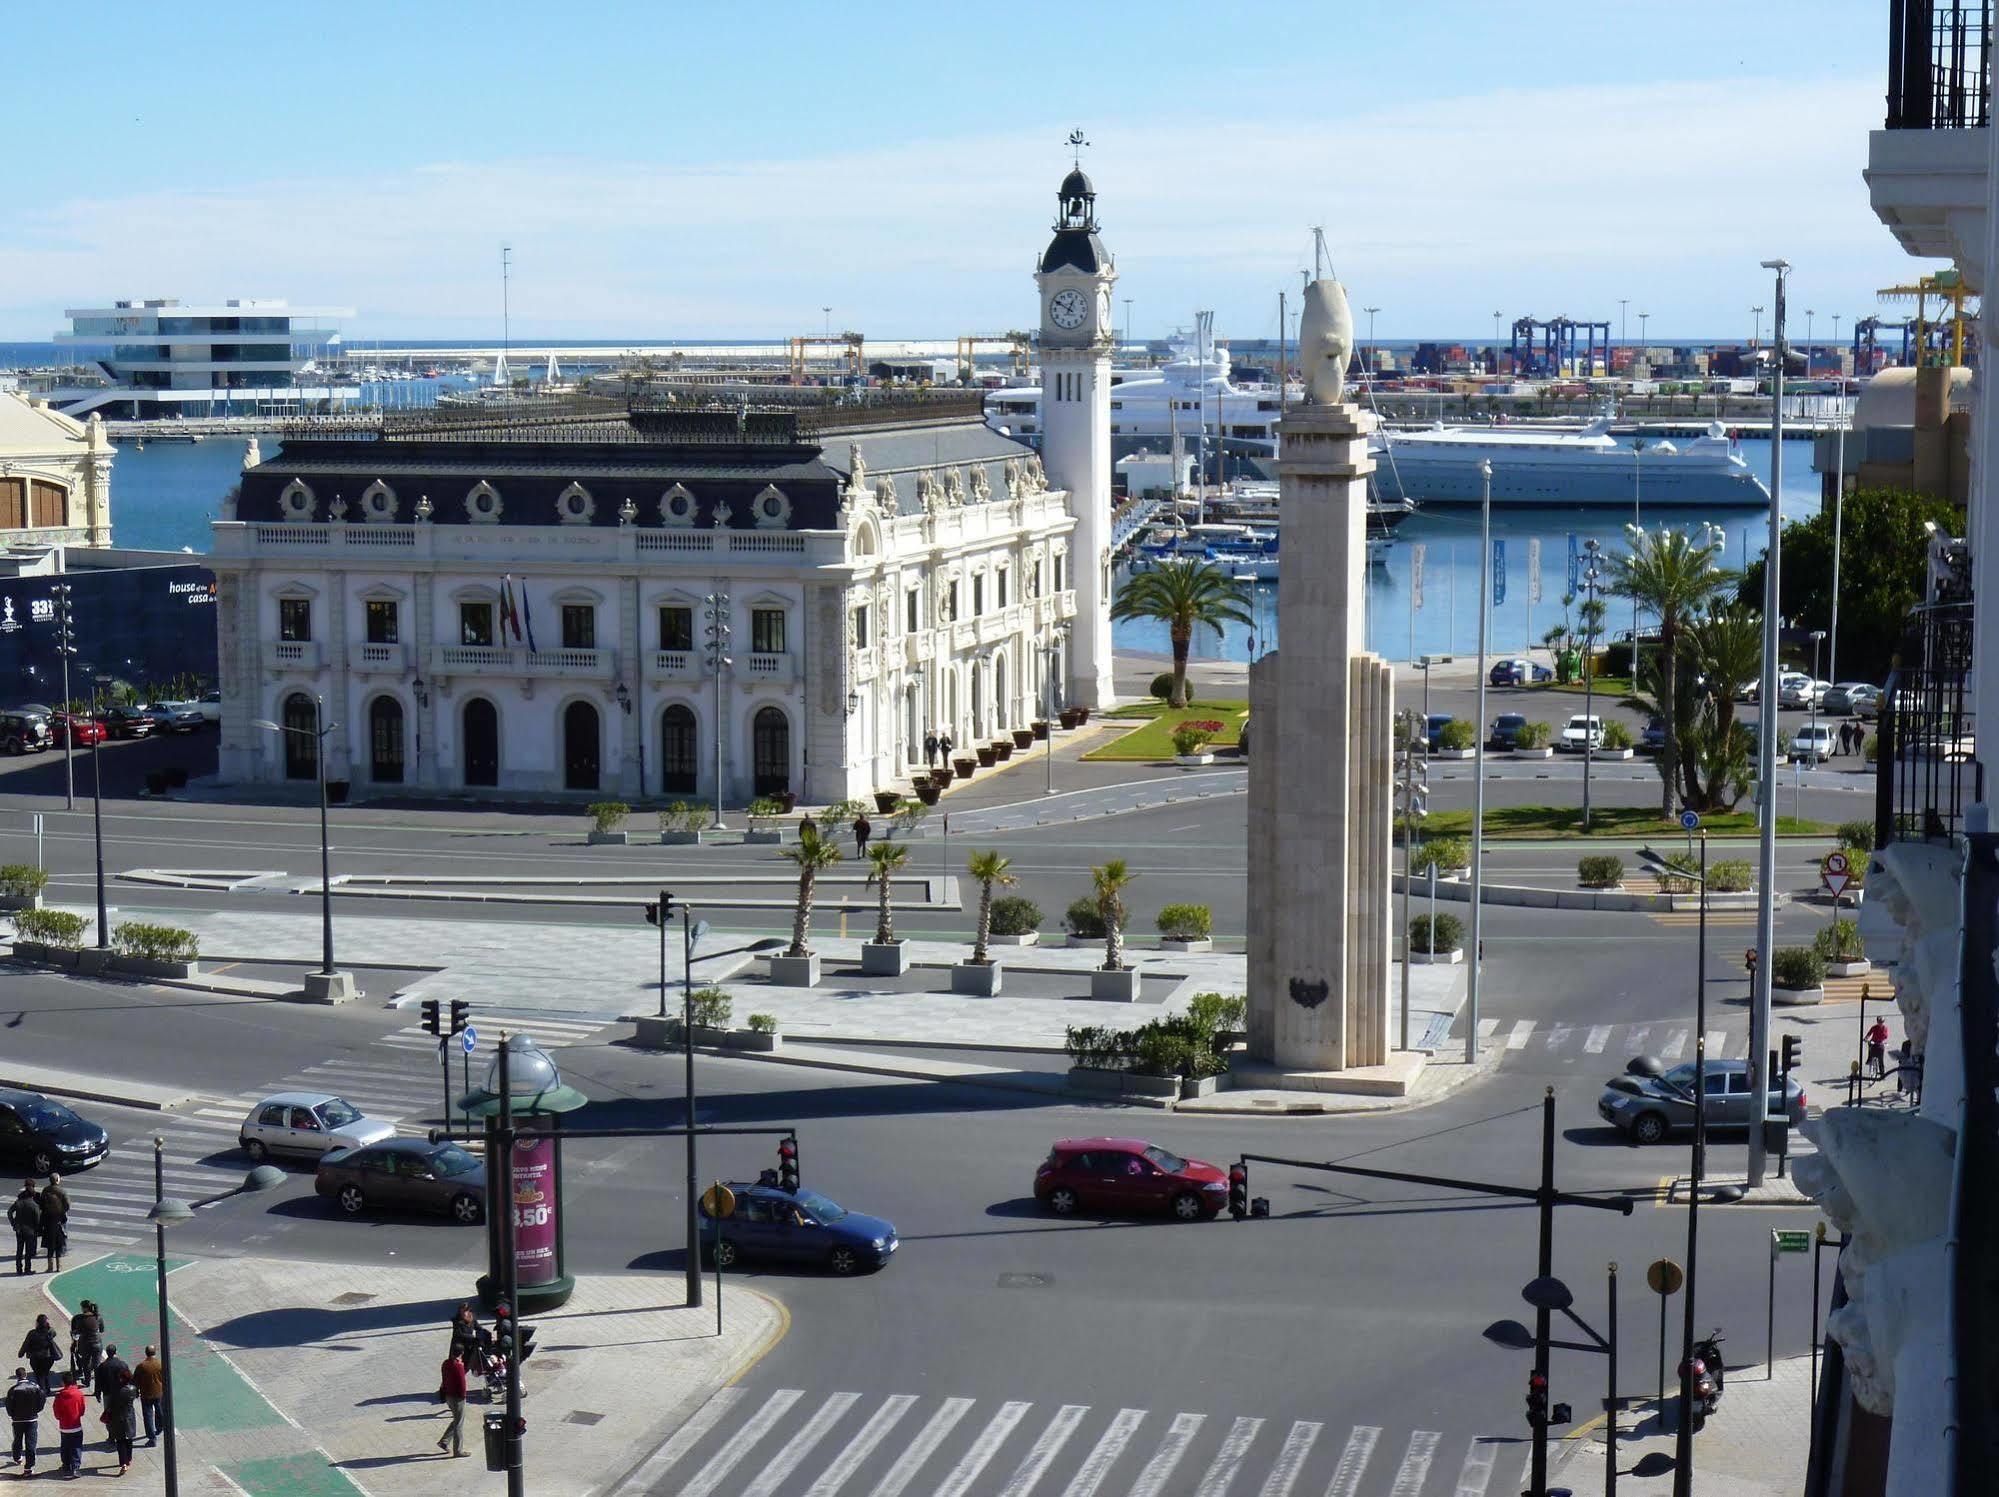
point(1457, 739)
point(928, 792)
point(787, 801)
point(1534, 741)
point(979, 975)
point(986, 755)
point(21, 886)
point(1190, 742)
point(1083, 923)
point(885, 956)
point(1438, 940)
point(1002, 749)
point(710, 1009)
point(336, 792)
point(760, 1036)
point(1617, 741)
point(763, 814)
point(681, 824)
point(966, 767)
point(1024, 737)
point(1115, 981)
point(1797, 976)
point(1039, 729)
point(1450, 855)
point(1840, 945)
point(1016, 921)
point(1601, 870)
point(607, 823)
point(1070, 717)
point(1186, 927)
point(1082, 715)
point(886, 802)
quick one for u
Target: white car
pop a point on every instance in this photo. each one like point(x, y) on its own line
point(1797, 691)
point(1814, 742)
point(210, 706)
point(310, 1124)
point(1582, 732)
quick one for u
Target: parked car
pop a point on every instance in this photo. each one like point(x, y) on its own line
point(1839, 700)
point(45, 1138)
point(1506, 731)
point(1867, 702)
point(1518, 671)
point(801, 1226)
point(23, 732)
point(1582, 732)
point(1814, 742)
point(1434, 727)
point(126, 722)
point(1649, 1103)
point(1796, 691)
point(1653, 739)
point(76, 728)
point(1127, 1174)
point(175, 717)
point(210, 706)
point(309, 1123)
point(405, 1174)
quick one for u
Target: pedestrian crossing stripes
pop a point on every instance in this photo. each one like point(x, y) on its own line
point(1669, 1042)
point(547, 1033)
point(1714, 918)
point(1849, 989)
point(744, 1443)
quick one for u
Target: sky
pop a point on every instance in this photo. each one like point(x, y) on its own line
point(667, 170)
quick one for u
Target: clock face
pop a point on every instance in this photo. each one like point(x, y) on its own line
point(1068, 309)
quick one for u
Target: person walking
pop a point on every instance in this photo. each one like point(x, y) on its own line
point(68, 1408)
point(113, 1372)
point(1877, 1048)
point(86, 1342)
point(930, 750)
point(26, 1216)
point(863, 829)
point(24, 1408)
point(469, 1338)
point(944, 746)
point(150, 1379)
point(42, 1350)
point(121, 1415)
point(451, 1391)
point(55, 1222)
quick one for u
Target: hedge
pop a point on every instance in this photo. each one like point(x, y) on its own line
point(1015, 916)
point(1177, 1046)
point(58, 928)
point(1797, 967)
point(1534, 736)
point(1436, 934)
point(1161, 687)
point(1730, 876)
point(1617, 734)
point(1449, 853)
point(159, 943)
point(22, 880)
point(1186, 922)
point(1840, 941)
point(1084, 920)
point(1600, 871)
point(608, 815)
point(711, 1008)
point(1855, 836)
point(683, 816)
point(763, 1023)
point(1218, 1013)
point(1457, 734)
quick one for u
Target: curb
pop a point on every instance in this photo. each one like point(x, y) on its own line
point(134, 1094)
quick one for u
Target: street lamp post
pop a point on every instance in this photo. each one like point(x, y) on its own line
point(1370, 343)
point(689, 934)
point(715, 608)
point(165, 1213)
point(327, 985)
point(66, 647)
point(1496, 319)
point(1589, 670)
point(1756, 336)
point(1478, 767)
point(1818, 638)
point(97, 834)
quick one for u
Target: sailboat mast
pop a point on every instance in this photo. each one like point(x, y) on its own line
point(1282, 363)
point(506, 302)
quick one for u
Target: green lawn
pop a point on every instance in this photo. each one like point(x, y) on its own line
point(1607, 821)
point(1606, 686)
point(1152, 739)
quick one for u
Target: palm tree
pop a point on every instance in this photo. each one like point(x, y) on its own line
point(988, 868)
point(1183, 595)
point(1725, 651)
point(887, 859)
point(1675, 577)
point(1108, 882)
point(812, 854)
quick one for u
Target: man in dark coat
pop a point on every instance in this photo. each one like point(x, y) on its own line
point(24, 1407)
point(929, 750)
point(26, 1216)
point(55, 1222)
point(113, 1373)
point(42, 1350)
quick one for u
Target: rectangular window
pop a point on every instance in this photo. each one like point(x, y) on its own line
point(1058, 574)
point(381, 623)
point(294, 619)
point(579, 626)
point(978, 594)
point(1035, 585)
point(48, 506)
point(767, 631)
point(951, 602)
point(999, 587)
point(861, 627)
point(475, 624)
point(676, 628)
point(913, 609)
point(13, 503)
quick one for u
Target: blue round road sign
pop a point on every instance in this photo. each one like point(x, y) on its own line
point(1690, 820)
point(468, 1038)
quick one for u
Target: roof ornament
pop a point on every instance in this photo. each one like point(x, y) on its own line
point(1325, 339)
point(1077, 144)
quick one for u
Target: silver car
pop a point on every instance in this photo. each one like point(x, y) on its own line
point(1649, 1103)
point(309, 1124)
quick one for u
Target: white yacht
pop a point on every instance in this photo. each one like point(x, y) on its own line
point(1547, 465)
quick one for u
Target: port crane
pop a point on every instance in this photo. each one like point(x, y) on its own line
point(1019, 347)
point(1938, 338)
point(849, 342)
point(1558, 346)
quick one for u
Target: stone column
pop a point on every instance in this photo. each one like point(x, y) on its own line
point(632, 772)
point(340, 704)
point(429, 765)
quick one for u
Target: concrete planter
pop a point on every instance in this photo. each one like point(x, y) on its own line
point(655, 1033)
point(327, 987)
point(1604, 753)
point(795, 971)
point(1120, 986)
point(12, 902)
point(889, 959)
point(686, 839)
point(1193, 761)
point(1797, 997)
point(1083, 943)
point(1449, 958)
point(1534, 753)
point(750, 1039)
point(1186, 944)
point(975, 979)
point(46, 955)
point(607, 839)
point(146, 966)
point(1095, 1082)
point(1444, 753)
point(763, 839)
point(1850, 969)
point(985, 758)
point(1151, 1086)
point(1032, 938)
point(1198, 1086)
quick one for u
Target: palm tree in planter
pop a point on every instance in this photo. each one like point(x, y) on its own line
point(799, 966)
point(885, 956)
point(981, 975)
point(1183, 596)
point(1113, 980)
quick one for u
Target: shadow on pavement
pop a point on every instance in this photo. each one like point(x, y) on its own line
point(273, 1329)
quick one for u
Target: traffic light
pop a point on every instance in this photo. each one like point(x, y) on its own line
point(1562, 1414)
point(1749, 960)
point(527, 1342)
point(1238, 1190)
point(461, 1015)
point(1537, 1400)
point(787, 1164)
point(430, 1024)
point(659, 910)
point(1790, 1058)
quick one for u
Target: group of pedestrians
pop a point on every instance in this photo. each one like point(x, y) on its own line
point(1851, 737)
point(936, 746)
point(129, 1397)
point(40, 1219)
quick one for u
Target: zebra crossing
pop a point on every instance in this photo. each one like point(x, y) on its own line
point(786, 1442)
point(1668, 1041)
point(203, 1157)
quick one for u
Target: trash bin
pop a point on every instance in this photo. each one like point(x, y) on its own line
point(496, 1442)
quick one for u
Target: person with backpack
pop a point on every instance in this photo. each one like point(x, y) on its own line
point(24, 1408)
point(86, 1341)
point(26, 1216)
point(42, 1350)
point(55, 1222)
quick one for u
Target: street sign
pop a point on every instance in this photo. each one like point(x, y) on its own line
point(1836, 873)
point(1665, 1276)
point(468, 1038)
point(718, 1201)
point(1690, 820)
point(1784, 1241)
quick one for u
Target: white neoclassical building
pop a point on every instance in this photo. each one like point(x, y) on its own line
point(55, 477)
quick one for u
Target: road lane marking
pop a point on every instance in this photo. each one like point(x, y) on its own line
point(1291, 1459)
point(1108, 1448)
point(1717, 1044)
point(1638, 1037)
point(1353, 1460)
point(1228, 1460)
point(903, 1472)
point(1476, 1474)
point(1159, 1470)
point(1675, 1045)
point(646, 1478)
point(975, 1460)
point(1599, 1036)
point(788, 1459)
point(858, 1449)
point(726, 1459)
point(1486, 1028)
point(1415, 1464)
point(1559, 1036)
point(1034, 1465)
point(1522, 1032)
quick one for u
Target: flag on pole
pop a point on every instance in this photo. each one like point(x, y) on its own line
point(1498, 573)
point(527, 617)
point(509, 619)
point(1534, 570)
point(1416, 556)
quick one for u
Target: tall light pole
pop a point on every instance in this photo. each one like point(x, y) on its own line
point(1756, 334)
point(1056, 635)
point(66, 647)
point(1589, 667)
point(1838, 503)
point(1478, 766)
point(1837, 369)
point(1127, 322)
point(1818, 638)
point(1766, 758)
point(1496, 316)
point(166, 1213)
point(1644, 338)
point(97, 828)
point(1623, 322)
point(1370, 341)
point(1809, 314)
point(330, 981)
point(715, 608)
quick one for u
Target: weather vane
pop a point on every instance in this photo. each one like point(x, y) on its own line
point(1076, 144)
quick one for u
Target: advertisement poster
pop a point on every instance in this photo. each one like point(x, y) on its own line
point(534, 1208)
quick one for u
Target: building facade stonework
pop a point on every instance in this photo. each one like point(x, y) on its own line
point(55, 477)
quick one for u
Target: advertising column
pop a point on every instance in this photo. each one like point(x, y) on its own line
point(537, 1259)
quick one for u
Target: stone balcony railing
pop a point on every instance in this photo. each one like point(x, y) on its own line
point(493, 545)
point(769, 667)
point(489, 660)
point(390, 659)
point(672, 665)
point(292, 655)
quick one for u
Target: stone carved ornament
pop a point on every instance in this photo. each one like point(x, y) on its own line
point(1036, 476)
point(954, 489)
point(1325, 341)
point(1011, 475)
point(982, 486)
point(885, 492)
point(857, 481)
point(929, 493)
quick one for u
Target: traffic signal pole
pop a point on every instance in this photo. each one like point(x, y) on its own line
point(687, 1059)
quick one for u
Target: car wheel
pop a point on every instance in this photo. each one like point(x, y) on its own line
point(844, 1261)
point(44, 1162)
point(351, 1200)
point(466, 1210)
point(1650, 1128)
point(723, 1254)
point(257, 1150)
point(1187, 1206)
point(1062, 1201)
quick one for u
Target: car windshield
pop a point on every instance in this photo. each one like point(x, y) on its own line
point(1681, 1076)
point(43, 1114)
point(339, 1113)
point(452, 1160)
point(1171, 1163)
point(819, 1206)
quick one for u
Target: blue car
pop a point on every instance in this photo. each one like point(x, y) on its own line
point(782, 1226)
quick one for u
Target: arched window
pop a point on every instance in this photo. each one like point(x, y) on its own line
point(479, 743)
point(677, 750)
point(770, 737)
point(301, 736)
point(385, 741)
point(580, 752)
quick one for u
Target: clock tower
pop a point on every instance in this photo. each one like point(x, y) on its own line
point(1075, 275)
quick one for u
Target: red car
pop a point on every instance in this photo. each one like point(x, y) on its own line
point(77, 729)
point(1128, 1174)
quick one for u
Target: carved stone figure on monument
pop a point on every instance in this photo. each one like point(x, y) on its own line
point(885, 493)
point(954, 488)
point(1037, 479)
point(929, 493)
point(982, 486)
point(1325, 341)
point(1013, 479)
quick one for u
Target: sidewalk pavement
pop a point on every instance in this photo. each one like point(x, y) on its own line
point(1753, 1446)
point(311, 1380)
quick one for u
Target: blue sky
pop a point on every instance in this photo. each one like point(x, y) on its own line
point(728, 170)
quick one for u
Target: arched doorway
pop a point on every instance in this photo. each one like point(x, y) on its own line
point(301, 736)
point(479, 743)
point(385, 741)
point(770, 741)
point(912, 726)
point(677, 750)
point(580, 757)
point(979, 734)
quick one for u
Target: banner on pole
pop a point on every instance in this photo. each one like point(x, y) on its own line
point(1534, 570)
point(1416, 556)
point(1498, 573)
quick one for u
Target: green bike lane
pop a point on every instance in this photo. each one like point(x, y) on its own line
point(221, 1418)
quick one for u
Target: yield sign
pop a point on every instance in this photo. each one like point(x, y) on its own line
point(1836, 873)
